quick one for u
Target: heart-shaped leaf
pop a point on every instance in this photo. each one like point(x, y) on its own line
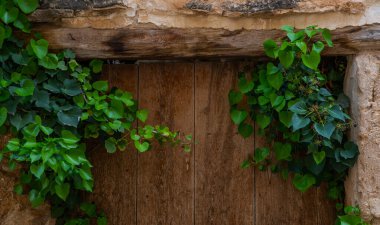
point(275, 80)
point(263, 120)
point(62, 190)
point(37, 170)
point(303, 182)
point(283, 151)
point(238, 116)
point(142, 147)
point(286, 118)
point(234, 97)
point(142, 115)
point(311, 60)
point(261, 154)
point(27, 6)
point(286, 58)
point(9, 15)
point(299, 122)
point(325, 130)
point(40, 47)
point(319, 156)
point(245, 130)
point(245, 85)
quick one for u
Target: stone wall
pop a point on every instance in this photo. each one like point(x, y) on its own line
point(362, 84)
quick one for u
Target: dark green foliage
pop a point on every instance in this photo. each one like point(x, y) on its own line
point(300, 110)
point(51, 104)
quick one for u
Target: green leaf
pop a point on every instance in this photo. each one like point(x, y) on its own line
point(89, 209)
point(2, 36)
point(40, 47)
point(327, 36)
point(283, 151)
point(70, 118)
point(238, 116)
point(295, 36)
point(3, 115)
point(319, 157)
point(69, 138)
point(142, 115)
point(311, 60)
point(270, 48)
point(101, 220)
point(263, 120)
point(245, 85)
point(35, 198)
point(299, 122)
point(275, 80)
point(350, 150)
point(111, 145)
point(235, 97)
point(261, 154)
point(287, 28)
point(286, 118)
point(18, 189)
point(286, 58)
point(303, 183)
point(350, 220)
point(71, 87)
point(101, 85)
point(245, 130)
point(245, 164)
point(50, 61)
point(263, 100)
point(142, 147)
point(272, 69)
point(27, 6)
point(96, 65)
point(9, 15)
point(336, 112)
point(318, 47)
point(299, 108)
point(26, 89)
point(37, 170)
point(325, 130)
point(116, 109)
point(302, 46)
point(62, 190)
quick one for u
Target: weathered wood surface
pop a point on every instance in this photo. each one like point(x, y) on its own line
point(160, 43)
point(167, 186)
point(115, 175)
point(223, 191)
point(166, 175)
point(278, 202)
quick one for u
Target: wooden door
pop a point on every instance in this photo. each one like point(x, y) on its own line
point(206, 186)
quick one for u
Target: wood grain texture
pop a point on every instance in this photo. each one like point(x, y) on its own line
point(279, 202)
point(223, 191)
point(160, 43)
point(115, 174)
point(166, 174)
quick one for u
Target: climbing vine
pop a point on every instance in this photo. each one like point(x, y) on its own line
point(301, 111)
point(49, 105)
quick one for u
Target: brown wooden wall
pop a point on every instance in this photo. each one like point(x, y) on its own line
point(207, 186)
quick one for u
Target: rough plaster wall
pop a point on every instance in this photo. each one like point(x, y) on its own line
point(363, 86)
point(15, 209)
point(218, 14)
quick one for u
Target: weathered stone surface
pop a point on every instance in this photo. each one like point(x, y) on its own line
point(15, 209)
point(362, 84)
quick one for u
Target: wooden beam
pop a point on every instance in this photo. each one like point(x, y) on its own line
point(164, 43)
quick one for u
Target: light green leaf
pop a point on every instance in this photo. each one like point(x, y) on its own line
point(9, 15)
point(318, 47)
point(100, 85)
point(50, 61)
point(69, 138)
point(142, 115)
point(302, 46)
point(327, 36)
point(286, 58)
point(37, 170)
point(238, 116)
point(287, 28)
point(275, 80)
point(96, 65)
point(116, 110)
point(111, 145)
point(319, 157)
point(40, 47)
point(26, 89)
point(142, 147)
point(303, 182)
point(27, 6)
point(245, 85)
point(311, 60)
point(62, 190)
point(270, 48)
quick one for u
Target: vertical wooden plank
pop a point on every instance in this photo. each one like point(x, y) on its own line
point(115, 174)
point(165, 174)
point(223, 191)
point(278, 202)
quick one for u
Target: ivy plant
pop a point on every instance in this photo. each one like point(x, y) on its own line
point(300, 112)
point(50, 104)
